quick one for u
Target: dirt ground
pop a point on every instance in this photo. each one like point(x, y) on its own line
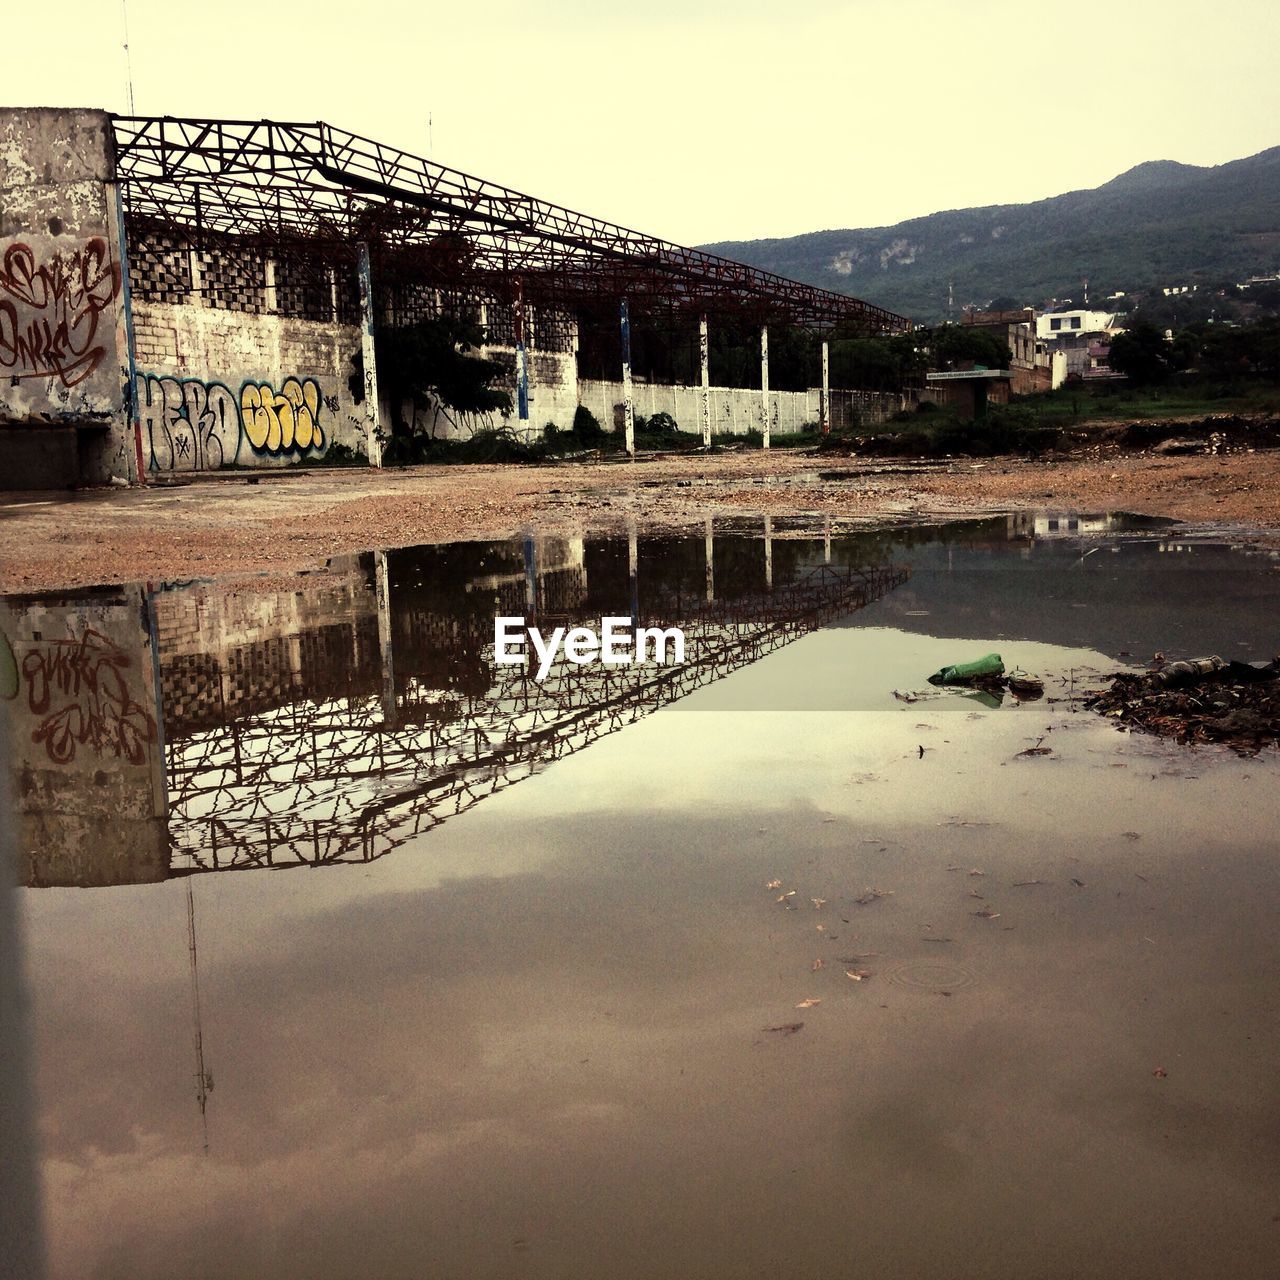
point(242, 523)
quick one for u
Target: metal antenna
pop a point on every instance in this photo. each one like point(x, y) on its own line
point(204, 1079)
point(128, 61)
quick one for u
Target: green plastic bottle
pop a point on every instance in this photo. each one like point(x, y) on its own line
point(963, 672)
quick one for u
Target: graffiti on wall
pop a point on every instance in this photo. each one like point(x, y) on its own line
point(191, 425)
point(196, 425)
point(78, 692)
point(51, 323)
point(281, 421)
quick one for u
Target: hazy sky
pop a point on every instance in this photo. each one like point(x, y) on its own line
point(699, 120)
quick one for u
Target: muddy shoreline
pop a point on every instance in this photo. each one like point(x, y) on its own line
point(242, 523)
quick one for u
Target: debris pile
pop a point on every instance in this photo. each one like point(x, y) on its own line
point(1207, 700)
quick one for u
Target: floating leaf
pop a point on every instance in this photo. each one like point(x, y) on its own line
point(809, 1002)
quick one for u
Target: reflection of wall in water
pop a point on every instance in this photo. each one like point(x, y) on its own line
point(86, 760)
point(229, 651)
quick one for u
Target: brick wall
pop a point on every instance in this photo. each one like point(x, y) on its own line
point(219, 387)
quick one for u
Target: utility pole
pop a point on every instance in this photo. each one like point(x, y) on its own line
point(204, 1079)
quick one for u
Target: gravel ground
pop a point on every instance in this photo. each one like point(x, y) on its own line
point(242, 523)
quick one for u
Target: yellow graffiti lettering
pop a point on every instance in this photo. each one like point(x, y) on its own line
point(285, 420)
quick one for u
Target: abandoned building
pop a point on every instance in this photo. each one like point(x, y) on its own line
point(186, 295)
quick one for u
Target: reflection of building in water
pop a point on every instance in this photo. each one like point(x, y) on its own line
point(327, 719)
point(1043, 524)
point(84, 737)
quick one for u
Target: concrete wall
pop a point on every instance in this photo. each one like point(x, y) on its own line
point(218, 387)
point(63, 352)
point(77, 688)
point(735, 410)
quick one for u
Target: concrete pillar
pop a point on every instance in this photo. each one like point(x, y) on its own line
point(367, 353)
point(628, 406)
point(197, 279)
point(826, 539)
point(711, 560)
point(704, 357)
point(824, 403)
point(768, 553)
point(522, 361)
point(269, 296)
point(135, 467)
point(633, 570)
point(530, 579)
point(333, 296)
point(382, 592)
point(764, 382)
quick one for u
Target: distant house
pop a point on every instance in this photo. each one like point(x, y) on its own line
point(1030, 363)
point(1098, 368)
point(1073, 332)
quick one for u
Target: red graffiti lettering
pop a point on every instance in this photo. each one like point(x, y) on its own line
point(80, 688)
point(49, 314)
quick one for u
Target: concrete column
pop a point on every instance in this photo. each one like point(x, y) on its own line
point(711, 560)
point(372, 444)
point(382, 590)
point(768, 553)
point(826, 539)
point(135, 468)
point(333, 296)
point(633, 570)
point(704, 357)
point(522, 361)
point(530, 579)
point(628, 405)
point(197, 279)
point(824, 403)
point(764, 381)
point(270, 300)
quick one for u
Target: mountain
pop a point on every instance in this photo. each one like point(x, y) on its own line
point(1159, 223)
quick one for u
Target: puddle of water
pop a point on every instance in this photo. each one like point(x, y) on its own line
point(534, 1029)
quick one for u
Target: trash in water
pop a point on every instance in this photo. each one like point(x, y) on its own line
point(986, 914)
point(871, 895)
point(809, 1002)
point(1036, 750)
point(969, 672)
point(858, 975)
point(1208, 700)
point(786, 1028)
point(1026, 688)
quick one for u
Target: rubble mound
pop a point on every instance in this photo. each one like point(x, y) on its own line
point(1237, 705)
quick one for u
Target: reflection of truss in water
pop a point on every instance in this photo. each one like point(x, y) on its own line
point(328, 781)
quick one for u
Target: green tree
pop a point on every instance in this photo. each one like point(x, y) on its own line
point(1143, 355)
point(431, 364)
point(954, 346)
